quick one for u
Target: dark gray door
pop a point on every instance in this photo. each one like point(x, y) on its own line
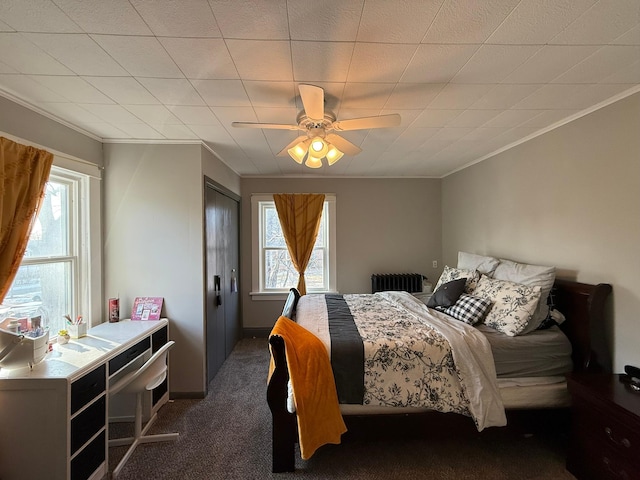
point(222, 277)
point(230, 277)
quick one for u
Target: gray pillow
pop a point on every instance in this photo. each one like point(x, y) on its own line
point(481, 263)
point(447, 294)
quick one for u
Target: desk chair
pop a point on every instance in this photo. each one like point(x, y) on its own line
point(147, 377)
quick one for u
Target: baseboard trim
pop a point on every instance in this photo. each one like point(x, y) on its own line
point(260, 332)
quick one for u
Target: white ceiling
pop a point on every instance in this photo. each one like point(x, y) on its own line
point(468, 77)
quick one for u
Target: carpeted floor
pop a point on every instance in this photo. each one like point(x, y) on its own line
point(227, 435)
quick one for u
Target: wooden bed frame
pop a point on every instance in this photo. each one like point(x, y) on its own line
point(581, 303)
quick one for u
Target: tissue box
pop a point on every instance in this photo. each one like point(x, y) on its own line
point(77, 330)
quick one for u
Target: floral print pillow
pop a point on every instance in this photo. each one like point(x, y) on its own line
point(449, 274)
point(513, 304)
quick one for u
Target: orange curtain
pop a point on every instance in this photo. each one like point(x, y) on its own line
point(24, 172)
point(300, 216)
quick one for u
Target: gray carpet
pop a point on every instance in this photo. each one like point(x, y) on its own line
point(227, 435)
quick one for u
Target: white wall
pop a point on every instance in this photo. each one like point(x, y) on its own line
point(569, 198)
point(216, 170)
point(382, 226)
point(153, 244)
point(24, 123)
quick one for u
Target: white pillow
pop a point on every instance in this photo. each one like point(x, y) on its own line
point(531, 275)
point(481, 263)
point(513, 304)
point(449, 274)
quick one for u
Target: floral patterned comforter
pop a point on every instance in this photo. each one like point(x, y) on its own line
point(415, 356)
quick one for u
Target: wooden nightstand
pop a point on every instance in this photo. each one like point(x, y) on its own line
point(605, 428)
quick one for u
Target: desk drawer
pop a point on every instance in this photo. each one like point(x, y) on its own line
point(87, 461)
point(128, 355)
point(159, 338)
point(87, 388)
point(88, 423)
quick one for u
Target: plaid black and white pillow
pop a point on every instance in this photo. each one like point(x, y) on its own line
point(469, 309)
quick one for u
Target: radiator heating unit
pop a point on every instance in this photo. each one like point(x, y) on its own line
point(408, 282)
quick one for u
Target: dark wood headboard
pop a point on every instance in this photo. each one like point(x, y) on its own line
point(583, 305)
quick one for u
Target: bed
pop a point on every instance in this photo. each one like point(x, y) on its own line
point(520, 386)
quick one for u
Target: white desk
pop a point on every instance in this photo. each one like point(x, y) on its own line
point(54, 417)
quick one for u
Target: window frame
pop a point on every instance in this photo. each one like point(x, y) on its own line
point(72, 182)
point(84, 252)
point(258, 292)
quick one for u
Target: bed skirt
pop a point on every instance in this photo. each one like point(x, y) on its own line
point(517, 393)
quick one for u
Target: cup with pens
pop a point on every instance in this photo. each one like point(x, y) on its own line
point(77, 328)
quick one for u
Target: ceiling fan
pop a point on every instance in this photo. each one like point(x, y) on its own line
point(319, 140)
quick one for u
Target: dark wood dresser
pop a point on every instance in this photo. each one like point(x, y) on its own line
point(605, 428)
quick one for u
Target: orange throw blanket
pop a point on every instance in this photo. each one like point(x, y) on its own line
point(314, 388)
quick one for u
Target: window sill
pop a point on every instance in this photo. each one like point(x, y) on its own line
point(268, 295)
point(281, 296)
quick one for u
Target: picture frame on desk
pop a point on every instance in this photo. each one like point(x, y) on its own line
point(147, 308)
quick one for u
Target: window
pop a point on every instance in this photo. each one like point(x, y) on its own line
point(273, 270)
point(55, 262)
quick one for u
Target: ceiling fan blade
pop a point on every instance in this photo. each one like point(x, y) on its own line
point(365, 123)
point(312, 101)
point(284, 151)
point(278, 126)
point(344, 145)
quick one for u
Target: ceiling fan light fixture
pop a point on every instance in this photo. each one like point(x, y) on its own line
point(316, 139)
point(299, 151)
point(333, 155)
point(318, 147)
point(313, 162)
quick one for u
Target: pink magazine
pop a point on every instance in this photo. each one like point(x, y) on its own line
point(146, 308)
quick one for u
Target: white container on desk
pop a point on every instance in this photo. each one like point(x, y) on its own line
point(77, 330)
point(21, 351)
